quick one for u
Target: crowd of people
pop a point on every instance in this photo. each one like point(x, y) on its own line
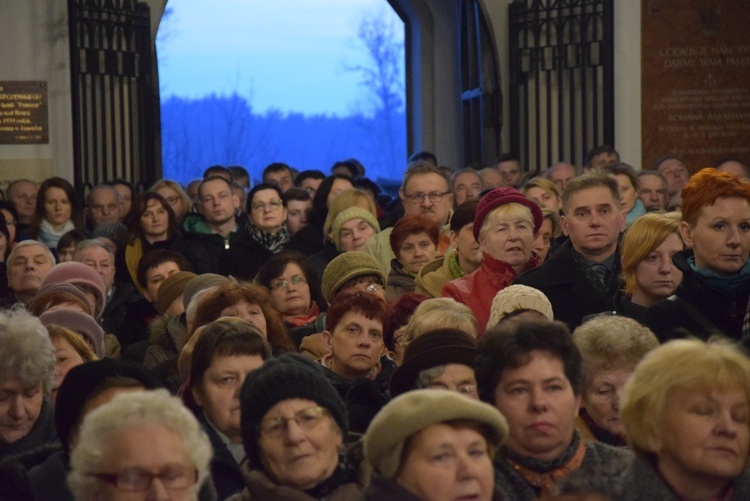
point(488, 334)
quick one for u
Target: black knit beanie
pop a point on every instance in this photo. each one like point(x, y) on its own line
point(84, 381)
point(285, 377)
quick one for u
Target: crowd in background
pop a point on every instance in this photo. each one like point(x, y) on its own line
point(288, 339)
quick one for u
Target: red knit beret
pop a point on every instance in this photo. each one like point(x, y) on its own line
point(502, 196)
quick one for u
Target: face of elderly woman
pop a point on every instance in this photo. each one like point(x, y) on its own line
point(509, 240)
point(290, 291)
point(720, 237)
point(704, 435)
point(601, 398)
point(299, 443)
point(219, 391)
point(267, 211)
point(444, 463)
point(247, 311)
point(19, 409)
point(539, 404)
point(355, 233)
point(152, 451)
point(416, 251)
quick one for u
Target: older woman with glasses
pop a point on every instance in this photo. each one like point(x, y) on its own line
point(293, 429)
point(295, 288)
point(140, 445)
point(266, 206)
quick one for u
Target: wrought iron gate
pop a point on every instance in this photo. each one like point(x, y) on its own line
point(481, 100)
point(115, 100)
point(561, 79)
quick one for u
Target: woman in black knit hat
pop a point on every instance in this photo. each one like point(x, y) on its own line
point(293, 429)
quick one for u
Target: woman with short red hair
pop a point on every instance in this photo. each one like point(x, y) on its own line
point(715, 287)
point(414, 241)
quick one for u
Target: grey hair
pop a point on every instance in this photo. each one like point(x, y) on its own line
point(27, 352)
point(192, 307)
point(425, 377)
point(102, 187)
point(134, 410)
point(91, 242)
point(29, 243)
point(437, 313)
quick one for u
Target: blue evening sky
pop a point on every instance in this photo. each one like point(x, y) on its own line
point(281, 54)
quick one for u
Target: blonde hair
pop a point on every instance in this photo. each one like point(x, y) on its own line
point(680, 365)
point(506, 211)
point(642, 238)
point(544, 184)
point(440, 313)
point(77, 341)
point(610, 342)
point(351, 197)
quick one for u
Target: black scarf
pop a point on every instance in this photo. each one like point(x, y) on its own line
point(343, 474)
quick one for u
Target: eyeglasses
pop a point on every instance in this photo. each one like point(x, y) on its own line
point(306, 419)
point(138, 480)
point(172, 200)
point(418, 198)
point(272, 205)
point(280, 283)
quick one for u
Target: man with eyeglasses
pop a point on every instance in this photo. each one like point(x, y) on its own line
point(217, 239)
point(426, 192)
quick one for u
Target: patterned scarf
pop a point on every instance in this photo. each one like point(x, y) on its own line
point(274, 242)
point(544, 475)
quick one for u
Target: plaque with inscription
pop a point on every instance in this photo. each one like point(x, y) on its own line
point(695, 64)
point(24, 117)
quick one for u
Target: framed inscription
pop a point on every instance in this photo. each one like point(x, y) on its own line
point(24, 114)
point(695, 64)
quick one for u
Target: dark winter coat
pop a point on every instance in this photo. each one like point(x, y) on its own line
point(237, 254)
point(701, 310)
point(568, 289)
point(225, 471)
point(363, 397)
point(383, 489)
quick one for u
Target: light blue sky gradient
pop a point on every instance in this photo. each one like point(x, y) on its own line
point(288, 55)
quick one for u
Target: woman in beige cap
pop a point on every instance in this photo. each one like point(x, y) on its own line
point(434, 445)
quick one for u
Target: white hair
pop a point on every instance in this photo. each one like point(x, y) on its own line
point(27, 352)
point(134, 410)
point(29, 243)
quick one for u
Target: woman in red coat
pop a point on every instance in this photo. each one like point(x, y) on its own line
point(504, 225)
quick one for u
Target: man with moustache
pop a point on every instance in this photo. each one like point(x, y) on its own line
point(426, 192)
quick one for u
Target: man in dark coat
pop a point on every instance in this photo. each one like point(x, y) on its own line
point(217, 240)
point(582, 276)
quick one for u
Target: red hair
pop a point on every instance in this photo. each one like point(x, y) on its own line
point(369, 305)
point(708, 185)
point(413, 225)
point(213, 303)
point(401, 312)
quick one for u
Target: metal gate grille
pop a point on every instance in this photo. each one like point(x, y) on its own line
point(480, 94)
point(561, 79)
point(115, 105)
